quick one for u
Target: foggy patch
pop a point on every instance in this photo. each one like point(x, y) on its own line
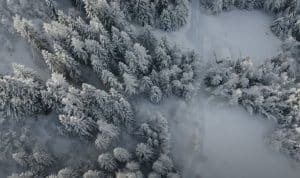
point(214, 140)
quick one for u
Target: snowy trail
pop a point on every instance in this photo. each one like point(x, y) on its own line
point(233, 143)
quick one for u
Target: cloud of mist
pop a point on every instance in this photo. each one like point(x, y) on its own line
point(213, 140)
point(42, 132)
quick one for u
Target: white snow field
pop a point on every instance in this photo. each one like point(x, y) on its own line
point(234, 34)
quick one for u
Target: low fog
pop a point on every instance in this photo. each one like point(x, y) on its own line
point(221, 141)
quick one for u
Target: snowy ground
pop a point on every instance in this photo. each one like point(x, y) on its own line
point(232, 35)
point(233, 145)
point(17, 50)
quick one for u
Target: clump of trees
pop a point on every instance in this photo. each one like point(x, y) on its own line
point(133, 64)
point(21, 94)
point(168, 15)
point(263, 90)
point(93, 116)
point(270, 89)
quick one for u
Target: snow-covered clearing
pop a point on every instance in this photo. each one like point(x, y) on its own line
point(234, 34)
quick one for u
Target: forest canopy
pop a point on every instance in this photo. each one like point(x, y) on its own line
point(104, 56)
